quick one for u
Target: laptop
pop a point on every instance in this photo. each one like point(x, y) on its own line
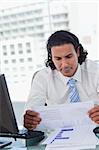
point(8, 123)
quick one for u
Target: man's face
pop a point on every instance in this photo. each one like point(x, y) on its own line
point(65, 59)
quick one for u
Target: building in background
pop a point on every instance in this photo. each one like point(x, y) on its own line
point(25, 29)
point(23, 34)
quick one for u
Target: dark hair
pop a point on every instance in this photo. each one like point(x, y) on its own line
point(64, 37)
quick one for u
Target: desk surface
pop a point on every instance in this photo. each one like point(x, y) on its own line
point(35, 148)
point(17, 145)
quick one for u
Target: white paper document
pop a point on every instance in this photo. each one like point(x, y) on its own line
point(66, 115)
point(72, 128)
point(75, 138)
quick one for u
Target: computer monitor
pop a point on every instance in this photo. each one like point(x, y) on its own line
point(8, 122)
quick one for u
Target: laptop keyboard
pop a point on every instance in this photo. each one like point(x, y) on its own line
point(24, 134)
point(31, 134)
point(1, 142)
point(4, 143)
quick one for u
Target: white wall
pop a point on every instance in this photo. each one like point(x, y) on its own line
point(84, 23)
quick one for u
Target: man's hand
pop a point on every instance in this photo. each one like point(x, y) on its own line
point(31, 119)
point(94, 114)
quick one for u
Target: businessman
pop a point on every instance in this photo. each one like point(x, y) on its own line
point(66, 60)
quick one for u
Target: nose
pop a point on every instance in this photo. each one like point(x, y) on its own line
point(64, 62)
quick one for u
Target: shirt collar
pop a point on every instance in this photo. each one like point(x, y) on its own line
point(76, 76)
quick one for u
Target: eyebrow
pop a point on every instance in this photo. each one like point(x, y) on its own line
point(64, 56)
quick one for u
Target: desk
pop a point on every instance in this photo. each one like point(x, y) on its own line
point(18, 144)
point(38, 148)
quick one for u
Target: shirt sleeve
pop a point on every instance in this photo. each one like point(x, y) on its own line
point(38, 92)
point(98, 87)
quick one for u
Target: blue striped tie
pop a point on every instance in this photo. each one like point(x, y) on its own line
point(73, 92)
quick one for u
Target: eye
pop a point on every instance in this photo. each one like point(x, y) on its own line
point(69, 56)
point(58, 58)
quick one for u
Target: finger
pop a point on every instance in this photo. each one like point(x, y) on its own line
point(31, 122)
point(92, 115)
point(96, 108)
point(30, 127)
point(32, 113)
point(97, 122)
point(96, 118)
point(27, 117)
point(37, 119)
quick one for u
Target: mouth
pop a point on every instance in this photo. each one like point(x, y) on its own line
point(66, 70)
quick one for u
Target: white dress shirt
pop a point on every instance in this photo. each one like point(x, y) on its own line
point(50, 86)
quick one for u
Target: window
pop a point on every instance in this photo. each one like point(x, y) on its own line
point(14, 69)
point(19, 45)
point(20, 51)
point(22, 22)
point(7, 32)
point(5, 53)
point(31, 68)
point(22, 68)
point(12, 52)
point(4, 47)
point(28, 44)
point(38, 19)
point(31, 28)
point(13, 60)
point(15, 31)
point(40, 35)
point(21, 60)
point(11, 46)
point(1, 33)
point(39, 27)
point(13, 16)
point(28, 51)
point(30, 20)
point(6, 61)
point(6, 24)
point(38, 11)
point(29, 59)
point(6, 69)
point(23, 29)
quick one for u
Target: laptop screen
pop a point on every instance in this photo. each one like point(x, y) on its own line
point(8, 122)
